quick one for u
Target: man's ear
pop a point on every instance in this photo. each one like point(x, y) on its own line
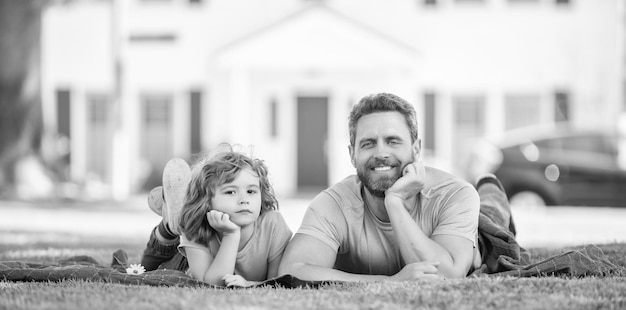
point(351, 152)
point(417, 149)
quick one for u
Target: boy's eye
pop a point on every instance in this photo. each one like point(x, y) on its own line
point(252, 191)
point(229, 192)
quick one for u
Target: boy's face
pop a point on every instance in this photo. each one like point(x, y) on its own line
point(240, 199)
point(382, 148)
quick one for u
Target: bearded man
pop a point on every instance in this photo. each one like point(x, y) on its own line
point(396, 219)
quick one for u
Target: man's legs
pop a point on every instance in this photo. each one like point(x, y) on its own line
point(167, 201)
point(499, 249)
point(494, 202)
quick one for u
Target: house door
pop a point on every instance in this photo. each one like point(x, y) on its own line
point(312, 136)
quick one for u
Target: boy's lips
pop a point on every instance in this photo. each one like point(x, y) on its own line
point(244, 211)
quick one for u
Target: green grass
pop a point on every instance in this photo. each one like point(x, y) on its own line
point(470, 293)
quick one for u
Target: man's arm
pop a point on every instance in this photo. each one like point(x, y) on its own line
point(454, 253)
point(310, 259)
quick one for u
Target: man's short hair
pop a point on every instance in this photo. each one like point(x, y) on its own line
point(382, 102)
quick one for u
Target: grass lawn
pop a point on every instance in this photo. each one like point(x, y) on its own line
point(469, 293)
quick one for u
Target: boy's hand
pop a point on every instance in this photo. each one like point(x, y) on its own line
point(221, 222)
point(411, 182)
point(236, 280)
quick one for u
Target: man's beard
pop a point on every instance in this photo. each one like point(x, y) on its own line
point(381, 184)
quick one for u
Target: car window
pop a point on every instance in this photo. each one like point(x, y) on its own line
point(584, 143)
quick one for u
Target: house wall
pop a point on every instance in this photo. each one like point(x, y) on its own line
point(491, 50)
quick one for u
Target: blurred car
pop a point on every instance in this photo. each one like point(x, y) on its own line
point(555, 166)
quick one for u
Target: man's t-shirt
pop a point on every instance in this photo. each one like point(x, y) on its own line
point(269, 239)
point(339, 218)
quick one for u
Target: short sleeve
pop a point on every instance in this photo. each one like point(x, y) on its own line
point(280, 234)
point(324, 221)
point(186, 243)
point(459, 216)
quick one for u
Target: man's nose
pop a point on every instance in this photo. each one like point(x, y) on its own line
point(382, 150)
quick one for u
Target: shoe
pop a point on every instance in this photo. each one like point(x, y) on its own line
point(155, 200)
point(494, 202)
point(176, 176)
point(489, 178)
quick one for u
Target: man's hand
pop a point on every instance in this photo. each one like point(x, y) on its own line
point(221, 222)
point(236, 280)
point(417, 271)
point(411, 182)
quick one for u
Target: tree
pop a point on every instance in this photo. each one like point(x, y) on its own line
point(20, 102)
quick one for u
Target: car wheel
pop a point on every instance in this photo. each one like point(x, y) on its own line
point(527, 200)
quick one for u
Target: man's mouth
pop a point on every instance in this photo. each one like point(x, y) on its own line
point(383, 168)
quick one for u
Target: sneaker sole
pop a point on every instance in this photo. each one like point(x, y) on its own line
point(155, 200)
point(176, 176)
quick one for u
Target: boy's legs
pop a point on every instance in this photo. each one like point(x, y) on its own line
point(167, 201)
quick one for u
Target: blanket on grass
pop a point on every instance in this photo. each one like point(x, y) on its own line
point(88, 269)
point(590, 261)
point(501, 254)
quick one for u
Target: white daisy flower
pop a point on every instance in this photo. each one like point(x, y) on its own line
point(135, 269)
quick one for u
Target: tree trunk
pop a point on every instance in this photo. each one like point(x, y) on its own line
point(20, 102)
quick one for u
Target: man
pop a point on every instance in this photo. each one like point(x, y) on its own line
point(396, 219)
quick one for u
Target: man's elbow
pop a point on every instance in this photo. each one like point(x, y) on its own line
point(288, 268)
point(455, 271)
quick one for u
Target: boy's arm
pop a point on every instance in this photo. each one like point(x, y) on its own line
point(211, 269)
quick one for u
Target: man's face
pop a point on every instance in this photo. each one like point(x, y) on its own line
point(382, 148)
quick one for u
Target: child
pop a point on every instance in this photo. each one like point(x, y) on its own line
point(230, 231)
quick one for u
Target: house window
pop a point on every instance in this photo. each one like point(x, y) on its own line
point(469, 2)
point(521, 110)
point(98, 109)
point(156, 110)
point(523, 1)
point(152, 38)
point(63, 99)
point(561, 106)
point(195, 101)
point(273, 118)
point(429, 120)
point(469, 124)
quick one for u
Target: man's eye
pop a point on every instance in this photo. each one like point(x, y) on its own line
point(366, 145)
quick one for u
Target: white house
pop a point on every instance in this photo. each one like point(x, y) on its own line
point(129, 84)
